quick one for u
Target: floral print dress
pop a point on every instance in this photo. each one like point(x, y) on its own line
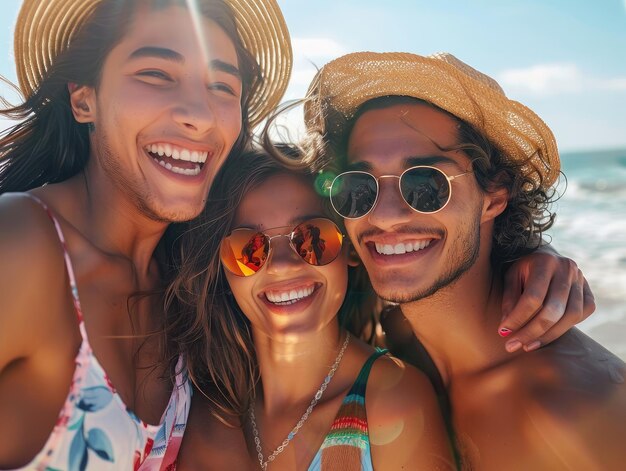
point(95, 430)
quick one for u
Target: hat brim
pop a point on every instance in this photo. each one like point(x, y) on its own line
point(343, 85)
point(45, 28)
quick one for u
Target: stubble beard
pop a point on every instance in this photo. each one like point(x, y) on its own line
point(465, 251)
point(135, 191)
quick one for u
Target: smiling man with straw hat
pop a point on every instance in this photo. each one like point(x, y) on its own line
point(130, 109)
point(444, 181)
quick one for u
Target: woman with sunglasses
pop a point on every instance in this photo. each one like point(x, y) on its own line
point(325, 399)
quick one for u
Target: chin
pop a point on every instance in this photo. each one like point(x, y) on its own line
point(169, 213)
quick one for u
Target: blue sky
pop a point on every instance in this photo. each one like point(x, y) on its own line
point(566, 59)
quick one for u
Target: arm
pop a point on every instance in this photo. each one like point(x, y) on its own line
point(32, 293)
point(545, 295)
point(406, 429)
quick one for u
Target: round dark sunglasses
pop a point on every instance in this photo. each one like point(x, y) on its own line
point(425, 189)
point(317, 241)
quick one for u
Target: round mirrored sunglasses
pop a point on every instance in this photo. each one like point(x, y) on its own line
point(317, 241)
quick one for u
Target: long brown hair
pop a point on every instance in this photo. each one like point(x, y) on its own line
point(204, 320)
point(48, 145)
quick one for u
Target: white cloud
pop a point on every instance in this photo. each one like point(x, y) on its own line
point(556, 78)
point(314, 48)
point(543, 79)
point(616, 83)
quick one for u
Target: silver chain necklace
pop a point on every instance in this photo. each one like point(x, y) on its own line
point(318, 395)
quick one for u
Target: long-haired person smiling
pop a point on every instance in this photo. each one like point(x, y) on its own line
point(325, 400)
point(130, 109)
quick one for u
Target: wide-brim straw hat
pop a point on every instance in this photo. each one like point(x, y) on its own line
point(45, 28)
point(344, 84)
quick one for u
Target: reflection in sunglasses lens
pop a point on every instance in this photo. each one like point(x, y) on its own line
point(318, 241)
point(425, 189)
point(353, 194)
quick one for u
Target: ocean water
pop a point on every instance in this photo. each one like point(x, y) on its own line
point(591, 228)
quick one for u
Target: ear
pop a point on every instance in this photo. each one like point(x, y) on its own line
point(83, 102)
point(494, 204)
point(353, 258)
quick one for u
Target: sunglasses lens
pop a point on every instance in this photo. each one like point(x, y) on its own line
point(425, 189)
point(244, 252)
point(317, 241)
point(353, 194)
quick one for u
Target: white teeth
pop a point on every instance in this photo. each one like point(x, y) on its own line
point(178, 154)
point(401, 248)
point(289, 297)
point(181, 171)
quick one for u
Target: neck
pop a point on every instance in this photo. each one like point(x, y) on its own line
point(293, 369)
point(458, 324)
point(114, 224)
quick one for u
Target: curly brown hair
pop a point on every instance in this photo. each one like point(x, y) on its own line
point(518, 230)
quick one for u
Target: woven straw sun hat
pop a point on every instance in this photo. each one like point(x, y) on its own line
point(344, 84)
point(45, 28)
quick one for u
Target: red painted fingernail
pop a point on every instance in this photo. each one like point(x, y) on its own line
point(504, 332)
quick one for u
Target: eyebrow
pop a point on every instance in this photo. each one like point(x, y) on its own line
point(226, 67)
point(173, 56)
point(157, 52)
point(293, 222)
point(412, 161)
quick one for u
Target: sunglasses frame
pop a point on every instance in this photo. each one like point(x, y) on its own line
point(290, 236)
point(449, 178)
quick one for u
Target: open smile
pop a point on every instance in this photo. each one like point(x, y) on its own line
point(400, 252)
point(401, 247)
point(289, 299)
point(178, 160)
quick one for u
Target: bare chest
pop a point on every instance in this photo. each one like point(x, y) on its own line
point(124, 328)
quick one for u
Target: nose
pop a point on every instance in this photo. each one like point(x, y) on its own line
point(194, 111)
point(390, 210)
point(283, 258)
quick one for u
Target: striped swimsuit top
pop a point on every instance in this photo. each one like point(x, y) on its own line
point(95, 430)
point(347, 444)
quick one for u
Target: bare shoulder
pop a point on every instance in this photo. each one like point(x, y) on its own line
point(209, 444)
point(391, 377)
point(406, 429)
point(32, 274)
point(574, 368)
point(574, 401)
